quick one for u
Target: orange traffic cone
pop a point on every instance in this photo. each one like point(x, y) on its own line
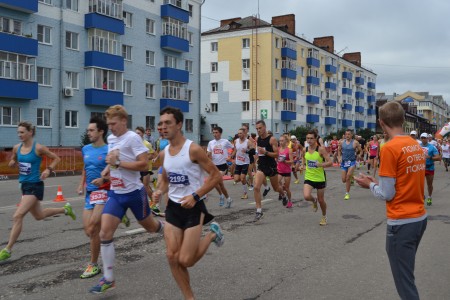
point(59, 195)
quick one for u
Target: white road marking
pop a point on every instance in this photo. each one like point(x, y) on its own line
point(48, 202)
point(265, 200)
point(134, 231)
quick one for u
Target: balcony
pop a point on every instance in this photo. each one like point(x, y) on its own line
point(18, 89)
point(312, 99)
point(330, 86)
point(183, 105)
point(359, 124)
point(347, 106)
point(102, 97)
point(95, 20)
point(174, 75)
point(26, 6)
point(359, 95)
point(313, 62)
point(371, 85)
point(359, 80)
point(287, 115)
point(103, 60)
point(347, 91)
point(172, 11)
point(330, 102)
point(174, 43)
point(347, 75)
point(288, 52)
point(312, 80)
point(371, 98)
point(371, 125)
point(359, 109)
point(371, 112)
point(18, 44)
point(330, 121)
point(347, 123)
point(288, 73)
point(330, 69)
point(310, 118)
point(288, 94)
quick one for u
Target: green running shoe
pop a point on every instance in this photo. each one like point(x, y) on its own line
point(5, 254)
point(90, 271)
point(429, 201)
point(69, 211)
point(103, 286)
point(126, 221)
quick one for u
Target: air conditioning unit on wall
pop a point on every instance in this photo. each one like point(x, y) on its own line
point(68, 92)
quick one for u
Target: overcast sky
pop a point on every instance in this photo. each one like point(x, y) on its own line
point(405, 42)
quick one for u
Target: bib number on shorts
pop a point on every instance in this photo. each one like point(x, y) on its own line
point(98, 197)
point(347, 163)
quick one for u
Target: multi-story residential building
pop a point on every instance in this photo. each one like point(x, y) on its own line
point(62, 62)
point(252, 70)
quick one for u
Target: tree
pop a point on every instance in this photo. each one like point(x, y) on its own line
point(84, 139)
point(366, 133)
point(300, 132)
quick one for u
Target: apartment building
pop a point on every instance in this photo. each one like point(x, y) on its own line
point(63, 61)
point(252, 70)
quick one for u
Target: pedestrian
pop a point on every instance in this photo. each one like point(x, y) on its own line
point(445, 154)
point(347, 153)
point(27, 156)
point(148, 137)
point(251, 153)
point(373, 149)
point(401, 186)
point(127, 156)
point(184, 164)
point(241, 153)
point(285, 162)
point(432, 155)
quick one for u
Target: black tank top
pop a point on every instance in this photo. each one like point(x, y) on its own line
point(264, 159)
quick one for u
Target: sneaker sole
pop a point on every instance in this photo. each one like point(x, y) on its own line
point(90, 276)
point(108, 289)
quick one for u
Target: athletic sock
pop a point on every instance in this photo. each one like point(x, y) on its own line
point(108, 255)
point(259, 210)
point(267, 187)
point(244, 187)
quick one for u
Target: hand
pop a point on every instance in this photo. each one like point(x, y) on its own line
point(104, 173)
point(188, 202)
point(156, 196)
point(45, 174)
point(80, 189)
point(364, 181)
point(261, 150)
point(98, 181)
point(12, 163)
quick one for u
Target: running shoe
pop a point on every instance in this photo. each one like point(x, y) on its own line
point(285, 200)
point(289, 205)
point(258, 216)
point(280, 197)
point(90, 271)
point(102, 286)
point(323, 221)
point(429, 201)
point(221, 200)
point(229, 201)
point(266, 191)
point(68, 211)
point(125, 221)
point(347, 196)
point(352, 182)
point(250, 188)
point(5, 254)
point(245, 196)
point(220, 239)
point(315, 206)
point(296, 182)
point(267, 178)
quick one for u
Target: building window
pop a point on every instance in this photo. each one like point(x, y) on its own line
point(44, 76)
point(277, 63)
point(245, 43)
point(214, 87)
point(191, 10)
point(189, 125)
point(104, 79)
point(150, 91)
point(72, 80)
point(128, 19)
point(10, 115)
point(277, 42)
point(72, 5)
point(10, 26)
point(43, 117)
point(277, 84)
point(103, 41)
point(17, 67)
point(170, 61)
point(245, 106)
point(214, 67)
point(286, 127)
point(276, 128)
point(191, 38)
point(110, 8)
point(44, 34)
point(150, 122)
point(188, 66)
point(214, 107)
point(173, 90)
point(189, 95)
point(130, 122)
point(72, 40)
point(126, 52)
point(214, 47)
point(100, 115)
point(245, 63)
point(212, 127)
point(49, 2)
point(301, 109)
point(245, 85)
point(150, 58)
point(127, 87)
point(71, 119)
point(150, 26)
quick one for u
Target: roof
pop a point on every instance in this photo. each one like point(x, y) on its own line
point(245, 23)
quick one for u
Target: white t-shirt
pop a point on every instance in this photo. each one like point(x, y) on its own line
point(445, 151)
point(129, 146)
point(219, 151)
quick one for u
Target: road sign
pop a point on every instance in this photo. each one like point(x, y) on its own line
point(264, 114)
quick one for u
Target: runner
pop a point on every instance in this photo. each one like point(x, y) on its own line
point(127, 156)
point(267, 150)
point(445, 154)
point(145, 175)
point(361, 159)
point(432, 155)
point(334, 148)
point(94, 156)
point(218, 153)
point(284, 168)
point(184, 165)
point(315, 159)
point(347, 151)
point(251, 153)
point(296, 150)
point(373, 149)
point(27, 156)
point(241, 152)
point(161, 143)
point(401, 186)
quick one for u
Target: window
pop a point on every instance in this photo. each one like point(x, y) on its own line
point(188, 66)
point(44, 34)
point(214, 87)
point(214, 67)
point(72, 80)
point(212, 127)
point(277, 84)
point(245, 43)
point(170, 61)
point(150, 122)
point(127, 87)
point(71, 119)
point(245, 63)
point(276, 128)
point(150, 58)
point(150, 26)
point(72, 4)
point(277, 43)
point(17, 67)
point(150, 91)
point(214, 47)
point(44, 76)
point(43, 117)
point(72, 40)
point(10, 115)
point(189, 125)
point(175, 28)
point(189, 95)
point(191, 10)
point(191, 38)
point(111, 8)
point(173, 90)
point(130, 122)
point(10, 26)
point(214, 107)
point(103, 41)
point(277, 63)
point(100, 115)
point(126, 52)
point(49, 2)
point(301, 109)
point(104, 79)
point(128, 19)
point(286, 127)
point(245, 85)
point(245, 106)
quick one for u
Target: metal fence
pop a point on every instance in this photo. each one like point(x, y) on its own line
point(67, 163)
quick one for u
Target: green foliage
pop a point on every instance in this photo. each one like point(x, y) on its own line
point(84, 139)
point(338, 134)
point(366, 133)
point(300, 132)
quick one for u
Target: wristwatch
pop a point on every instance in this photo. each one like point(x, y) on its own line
point(117, 163)
point(196, 197)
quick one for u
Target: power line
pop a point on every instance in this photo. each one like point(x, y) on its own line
point(407, 66)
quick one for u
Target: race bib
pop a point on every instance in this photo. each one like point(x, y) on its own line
point(281, 157)
point(175, 178)
point(312, 164)
point(374, 147)
point(240, 158)
point(24, 168)
point(98, 197)
point(117, 183)
point(347, 163)
point(218, 151)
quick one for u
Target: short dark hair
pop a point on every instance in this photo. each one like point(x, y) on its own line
point(176, 112)
point(140, 128)
point(219, 129)
point(101, 125)
point(313, 132)
point(261, 122)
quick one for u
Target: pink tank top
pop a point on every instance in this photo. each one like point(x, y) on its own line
point(283, 167)
point(373, 148)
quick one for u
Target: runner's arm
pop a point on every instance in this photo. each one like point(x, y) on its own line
point(13, 162)
point(273, 143)
point(323, 152)
point(44, 151)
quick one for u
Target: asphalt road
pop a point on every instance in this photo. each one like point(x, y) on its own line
point(286, 255)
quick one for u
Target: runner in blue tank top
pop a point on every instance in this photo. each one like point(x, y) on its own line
point(28, 156)
point(347, 151)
